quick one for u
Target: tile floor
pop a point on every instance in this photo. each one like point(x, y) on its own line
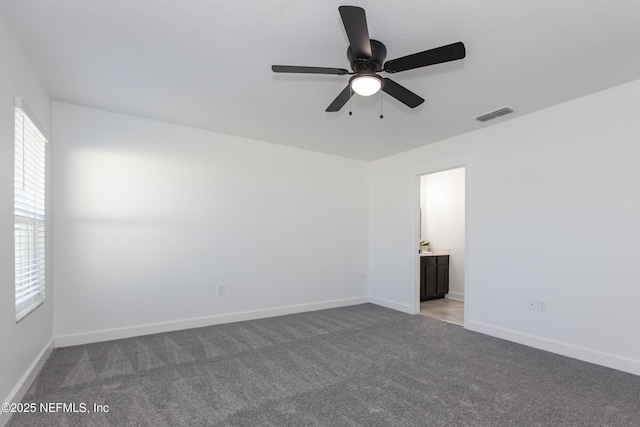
point(444, 309)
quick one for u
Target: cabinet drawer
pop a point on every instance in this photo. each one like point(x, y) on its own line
point(433, 260)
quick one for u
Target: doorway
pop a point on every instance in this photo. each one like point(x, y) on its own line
point(442, 264)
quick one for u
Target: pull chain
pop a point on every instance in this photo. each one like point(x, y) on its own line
point(381, 116)
point(350, 96)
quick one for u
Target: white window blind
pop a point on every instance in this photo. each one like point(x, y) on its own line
point(29, 211)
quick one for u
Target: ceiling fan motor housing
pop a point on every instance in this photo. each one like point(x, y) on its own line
point(374, 63)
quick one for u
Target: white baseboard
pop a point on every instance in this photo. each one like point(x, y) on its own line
point(134, 331)
point(391, 304)
point(457, 296)
point(592, 356)
point(26, 380)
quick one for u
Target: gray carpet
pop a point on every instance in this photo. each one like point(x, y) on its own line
point(355, 366)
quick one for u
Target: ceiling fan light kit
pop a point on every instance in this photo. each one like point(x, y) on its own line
point(366, 84)
point(367, 57)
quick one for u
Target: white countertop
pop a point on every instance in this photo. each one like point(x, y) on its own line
point(435, 252)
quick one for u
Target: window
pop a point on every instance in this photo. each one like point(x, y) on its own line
point(29, 211)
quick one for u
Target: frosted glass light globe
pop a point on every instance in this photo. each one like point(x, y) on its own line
point(366, 85)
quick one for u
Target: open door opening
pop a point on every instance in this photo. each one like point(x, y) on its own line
point(442, 249)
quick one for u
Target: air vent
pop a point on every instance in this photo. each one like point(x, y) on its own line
point(494, 114)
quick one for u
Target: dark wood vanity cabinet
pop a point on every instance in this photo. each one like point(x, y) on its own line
point(434, 276)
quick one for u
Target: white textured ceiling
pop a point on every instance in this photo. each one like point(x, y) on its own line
point(206, 63)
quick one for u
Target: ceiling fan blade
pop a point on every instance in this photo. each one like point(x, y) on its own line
point(355, 23)
point(401, 93)
point(438, 55)
point(339, 102)
point(307, 70)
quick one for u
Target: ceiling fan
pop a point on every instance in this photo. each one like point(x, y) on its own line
point(367, 60)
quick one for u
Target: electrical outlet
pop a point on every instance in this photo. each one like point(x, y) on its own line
point(537, 305)
point(542, 306)
point(221, 289)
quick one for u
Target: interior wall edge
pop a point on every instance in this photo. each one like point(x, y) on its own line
point(392, 305)
point(562, 348)
point(456, 296)
point(170, 326)
point(20, 389)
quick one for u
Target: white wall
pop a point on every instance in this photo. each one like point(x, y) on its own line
point(552, 214)
point(442, 204)
point(23, 344)
point(150, 217)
